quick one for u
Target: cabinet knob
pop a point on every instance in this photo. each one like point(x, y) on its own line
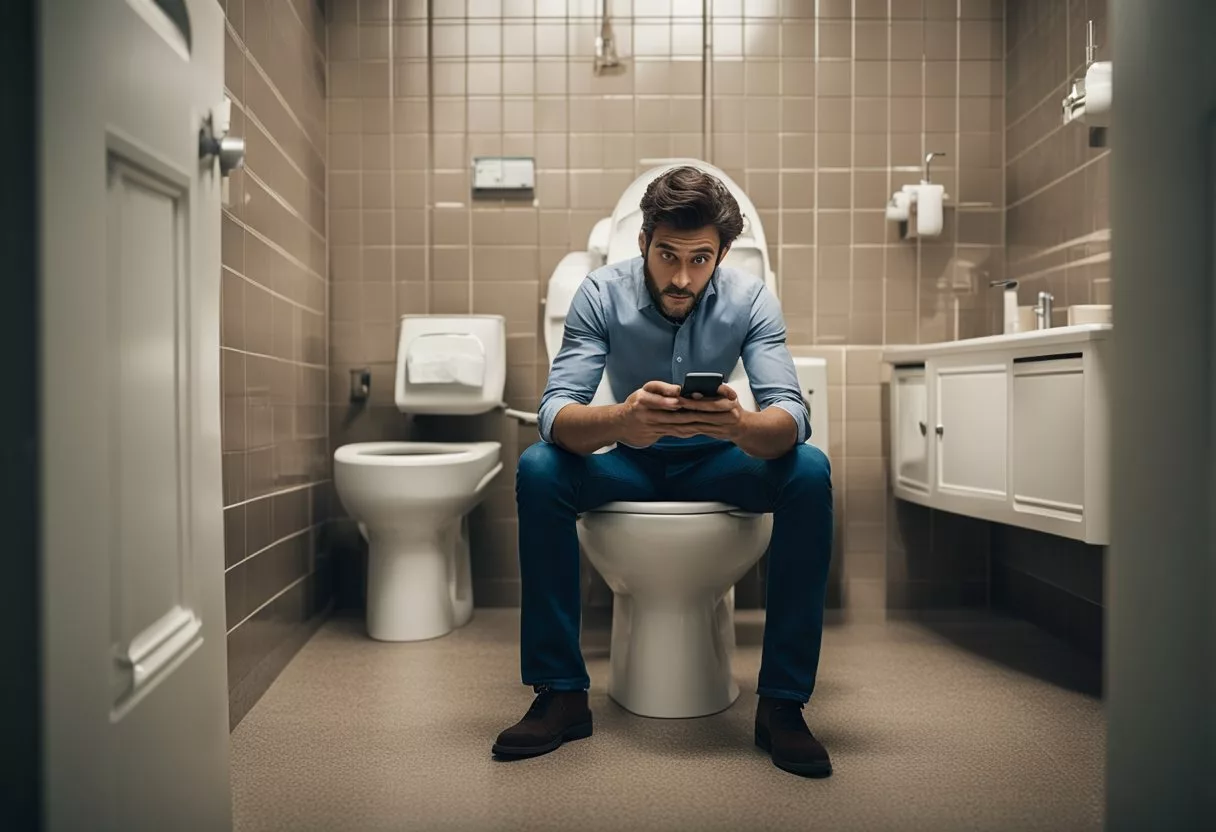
point(940, 429)
point(923, 429)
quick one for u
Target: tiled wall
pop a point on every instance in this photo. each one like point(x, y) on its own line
point(1057, 186)
point(274, 340)
point(820, 110)
point(823, 118)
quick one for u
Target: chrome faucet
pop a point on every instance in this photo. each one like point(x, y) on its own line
point(1042, 312)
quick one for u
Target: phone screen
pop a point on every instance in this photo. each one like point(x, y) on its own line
point(706, 384)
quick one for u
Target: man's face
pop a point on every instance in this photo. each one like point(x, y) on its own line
point(678, 266)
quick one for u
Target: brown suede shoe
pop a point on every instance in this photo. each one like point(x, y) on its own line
point(554, 717)
point(781, 731)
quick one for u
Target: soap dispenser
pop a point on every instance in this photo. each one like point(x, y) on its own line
point(1012, 323)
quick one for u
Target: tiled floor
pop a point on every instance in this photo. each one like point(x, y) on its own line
point(960, 724)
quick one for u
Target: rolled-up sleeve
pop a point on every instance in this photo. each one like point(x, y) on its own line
point(579, 365)
point(770, 369)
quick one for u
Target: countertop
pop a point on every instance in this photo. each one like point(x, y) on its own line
point(1054, 337)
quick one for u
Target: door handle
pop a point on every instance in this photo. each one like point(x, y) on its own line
point(232, 154)
point(213, 139)
point(230, 150)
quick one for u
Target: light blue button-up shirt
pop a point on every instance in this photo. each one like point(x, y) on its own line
point(613, 325)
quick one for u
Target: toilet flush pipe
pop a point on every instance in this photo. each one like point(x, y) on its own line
point(521, 416)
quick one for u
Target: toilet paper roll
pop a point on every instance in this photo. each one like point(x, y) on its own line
point(897, 208)
point(929, 209)
point(1098, 94)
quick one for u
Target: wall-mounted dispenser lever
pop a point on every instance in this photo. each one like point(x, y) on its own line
point(360, 384)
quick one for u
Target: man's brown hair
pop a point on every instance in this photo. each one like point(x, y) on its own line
point(688, 198)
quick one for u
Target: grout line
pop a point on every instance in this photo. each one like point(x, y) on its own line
point(1101, 257)
point(1102, 235)
point(852, 174)
point(392, 156)
point(288, 207)
point(271, 600)
point(886, 277)
point(958, 146)
point(990, 303)
point(781, 209)
point(276, 493)
point(274, 358)
point(257, 122)
point(1054, 94)
point(815, 181)
point(924, 123)
point(1036, 143)
point(429, 179)
point(270, 546)
point(1053, 183)
point(272, 292)
point(278, 249)
point(328, 314)
point(311, 39)
point(275, 91)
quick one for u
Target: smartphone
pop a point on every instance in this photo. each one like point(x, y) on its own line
point(706, 384)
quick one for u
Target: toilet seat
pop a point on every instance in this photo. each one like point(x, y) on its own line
point(413, 454)
point(672, 507)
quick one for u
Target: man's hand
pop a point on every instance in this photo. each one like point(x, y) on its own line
point(657, 410)
point(765, 435)
point(720, 418)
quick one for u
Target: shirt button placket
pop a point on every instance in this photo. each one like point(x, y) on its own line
point(681, 350)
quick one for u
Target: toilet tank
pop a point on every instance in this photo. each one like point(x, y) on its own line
point(564, 284)
point(451, 364)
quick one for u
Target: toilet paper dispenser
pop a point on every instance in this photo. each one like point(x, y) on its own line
point(919, 208)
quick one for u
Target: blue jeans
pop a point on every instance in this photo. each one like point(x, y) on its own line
point(553, 486)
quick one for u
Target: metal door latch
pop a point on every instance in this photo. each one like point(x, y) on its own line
point(214, 141)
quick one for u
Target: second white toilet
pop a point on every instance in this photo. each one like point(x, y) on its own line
point(412, 499)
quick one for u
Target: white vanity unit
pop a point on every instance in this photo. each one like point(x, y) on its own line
point(1009, 428)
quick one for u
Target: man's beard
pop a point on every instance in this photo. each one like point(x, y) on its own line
point(658, 296)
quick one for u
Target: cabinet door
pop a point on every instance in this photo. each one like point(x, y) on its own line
point(1049, 440)
point(910, 429)
point(972, 431)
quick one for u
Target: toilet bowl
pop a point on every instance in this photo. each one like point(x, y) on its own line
point(412, 499)
point(672, 567)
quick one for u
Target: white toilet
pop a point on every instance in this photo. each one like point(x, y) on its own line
point(672, 566)
point(412, 499)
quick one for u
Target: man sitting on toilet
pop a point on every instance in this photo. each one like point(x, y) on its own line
point(647, 320)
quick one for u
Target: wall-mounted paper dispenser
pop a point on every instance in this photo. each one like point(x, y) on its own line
point(504, 176)
point(919, 208)
point(1089, 98)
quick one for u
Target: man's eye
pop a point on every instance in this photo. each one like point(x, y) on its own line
point(701, 259)
point(667, 255)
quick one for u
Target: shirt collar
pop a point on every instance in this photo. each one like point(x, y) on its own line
point(643, 293)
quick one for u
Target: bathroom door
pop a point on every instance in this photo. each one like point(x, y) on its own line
point(135, 709)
